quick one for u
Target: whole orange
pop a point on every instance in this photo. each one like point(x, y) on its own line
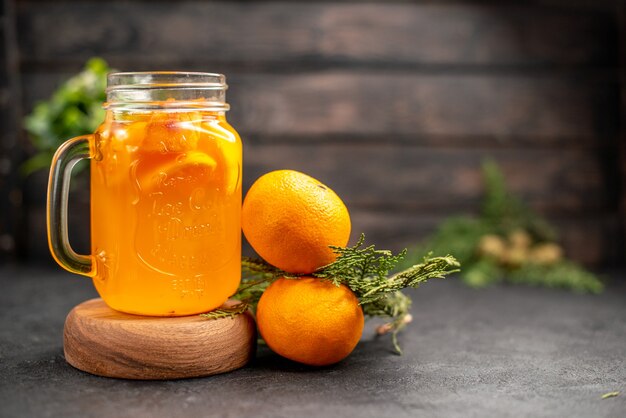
point(310, 320)
point(290, 219)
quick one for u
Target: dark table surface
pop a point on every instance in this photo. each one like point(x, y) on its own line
point(503, 351)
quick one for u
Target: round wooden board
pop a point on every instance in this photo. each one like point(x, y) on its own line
point(104, 342)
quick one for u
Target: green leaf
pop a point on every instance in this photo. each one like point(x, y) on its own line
point(74, 109)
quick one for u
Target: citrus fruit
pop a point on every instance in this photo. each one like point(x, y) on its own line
point(310, 320)
point(290, 219)
point(166, 132)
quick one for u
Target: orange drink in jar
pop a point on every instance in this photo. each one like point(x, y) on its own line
point(165, 196)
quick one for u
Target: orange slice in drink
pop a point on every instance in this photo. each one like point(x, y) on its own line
point(175, 132)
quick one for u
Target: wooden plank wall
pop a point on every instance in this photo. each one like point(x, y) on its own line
point(393, 104)
point(10, 149)
point(622, 136)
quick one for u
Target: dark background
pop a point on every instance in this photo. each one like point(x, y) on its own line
point(391, 103)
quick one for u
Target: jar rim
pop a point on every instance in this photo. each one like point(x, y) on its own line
point(171, 89)
point(154, 79)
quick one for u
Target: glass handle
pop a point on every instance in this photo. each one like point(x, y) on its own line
point(64, 160)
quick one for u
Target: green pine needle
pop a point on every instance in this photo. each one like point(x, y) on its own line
point(610, 395)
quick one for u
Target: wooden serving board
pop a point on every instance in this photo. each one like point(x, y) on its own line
point(104, 342)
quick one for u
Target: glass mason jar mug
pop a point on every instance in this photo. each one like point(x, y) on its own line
point(165, 196)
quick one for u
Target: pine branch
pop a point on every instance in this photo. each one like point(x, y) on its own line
point(364, 270)
point(507, 242)
point(564, 274)
point(430, 268)
point(255, 267)
point(229, 312)
point(394, 305)
point(505, 212)
point(256, 276)
point(356, 267)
